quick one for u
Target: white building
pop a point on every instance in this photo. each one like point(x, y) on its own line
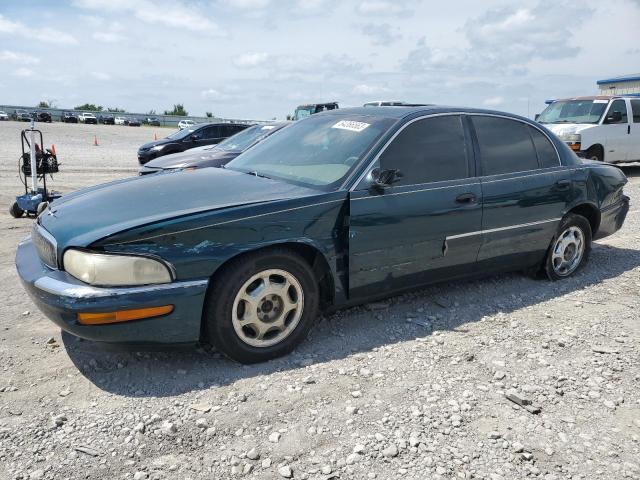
point(623, 85)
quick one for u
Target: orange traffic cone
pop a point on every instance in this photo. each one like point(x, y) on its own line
point(155, 136)
point(95, 141)
point(53, 149)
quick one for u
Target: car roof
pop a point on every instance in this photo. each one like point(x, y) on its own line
point(399, 112)
point(594, 97)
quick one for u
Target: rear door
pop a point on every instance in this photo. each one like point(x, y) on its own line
point(634, 132)
point(616, 132)
point(421, 228)
point(525, 191)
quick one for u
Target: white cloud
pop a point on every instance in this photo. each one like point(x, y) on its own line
point(173, 14)
point(382, 7)
point(364, 89)
point(16, 57)
point(107, 37)
point(45, 34)
point(247, 4)
point(251, 59)
point(493, 101)
point(381, 34)
point(23, 72)
point(101, 76)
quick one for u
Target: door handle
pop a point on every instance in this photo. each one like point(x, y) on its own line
point(466, 198)
point(563, 184)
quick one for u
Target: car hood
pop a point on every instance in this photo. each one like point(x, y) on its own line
point(200, 158)
point(83, 217)
point(161, 141)
point(568, 128)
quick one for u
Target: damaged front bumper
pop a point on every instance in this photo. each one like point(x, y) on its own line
point(61, 297)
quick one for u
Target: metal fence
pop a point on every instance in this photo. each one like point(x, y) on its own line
point(165, 120)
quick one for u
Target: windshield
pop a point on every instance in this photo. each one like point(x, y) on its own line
point(317, 152)
point(302, 113)
point(180, 134)
point(243, 140)
point(573, 111)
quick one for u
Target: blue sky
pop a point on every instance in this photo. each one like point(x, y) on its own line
point(261, 58)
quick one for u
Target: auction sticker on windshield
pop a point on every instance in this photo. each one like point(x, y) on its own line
point(351, 125)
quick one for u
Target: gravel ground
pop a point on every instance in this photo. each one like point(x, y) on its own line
point(416, 387)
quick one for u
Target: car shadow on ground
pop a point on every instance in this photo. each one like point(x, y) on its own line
point(631, 170)
point(442, 307)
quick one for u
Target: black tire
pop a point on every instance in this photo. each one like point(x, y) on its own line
point(595, 153)
point(218, 328)
point(569, 221)
point(15, 210)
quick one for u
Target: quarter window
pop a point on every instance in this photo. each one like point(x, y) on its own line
point(429, 150)
point(635, 108)
point(547, 156)
point(618, 106)
point(505, 145)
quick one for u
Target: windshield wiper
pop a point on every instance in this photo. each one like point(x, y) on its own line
point(258, 174)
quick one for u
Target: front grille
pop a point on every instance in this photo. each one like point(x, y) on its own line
point(45, 245)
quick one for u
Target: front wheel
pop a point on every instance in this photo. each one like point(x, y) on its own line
point(15, 210)
point(261, 306)
point(570, 247)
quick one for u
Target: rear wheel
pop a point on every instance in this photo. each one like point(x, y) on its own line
point(570, 247)
point(15, 210)
point(261, 306)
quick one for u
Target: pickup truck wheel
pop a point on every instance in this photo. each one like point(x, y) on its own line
point(261, 306)
point(595, 153)
point(570, 247)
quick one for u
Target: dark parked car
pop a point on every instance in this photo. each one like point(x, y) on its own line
point(196, 136)
point(334, 210)
point(22, 115)
point(213, 155)
point(133, 122)
point(107, 119)
point(42, 116)
point(153, 121)
point(69, 117)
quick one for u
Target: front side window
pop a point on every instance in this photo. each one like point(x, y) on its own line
point(505, 145)
point(211, 132)
point(429, 150)
point(318, 152)
point(617, 112)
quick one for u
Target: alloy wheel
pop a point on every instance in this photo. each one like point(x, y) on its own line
point(267, 308)
point(568, 251)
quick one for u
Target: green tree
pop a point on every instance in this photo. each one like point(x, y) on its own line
point(178, 110)
point(116, 110)
point(43, 104)
point(208, 114)
point(89, 106)
point(151, 112)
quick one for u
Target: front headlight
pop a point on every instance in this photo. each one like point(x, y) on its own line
point(157, 148)
point(109, 270)
point(570, 137)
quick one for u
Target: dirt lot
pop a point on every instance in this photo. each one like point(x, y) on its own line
point(411, 388)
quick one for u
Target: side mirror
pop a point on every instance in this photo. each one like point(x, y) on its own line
point(195, 137)
point(614, 117)
point(382, 178)
point(536, 117)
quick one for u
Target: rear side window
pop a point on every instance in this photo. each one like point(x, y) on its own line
point(429, 150)
point(635, 108)
point(547, 156)
point(505, 145)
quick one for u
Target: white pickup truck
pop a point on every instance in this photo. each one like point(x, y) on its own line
point(88, 118)
point(601, 128)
